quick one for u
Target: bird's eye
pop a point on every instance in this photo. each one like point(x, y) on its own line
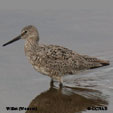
point(25, 31)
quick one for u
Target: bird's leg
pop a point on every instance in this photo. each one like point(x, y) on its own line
point(52, 82)
point(58, 78)
point(60, 84)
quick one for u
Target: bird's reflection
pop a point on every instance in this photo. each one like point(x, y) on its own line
point(67, 100)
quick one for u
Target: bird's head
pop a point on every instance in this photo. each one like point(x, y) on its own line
point(28, 32)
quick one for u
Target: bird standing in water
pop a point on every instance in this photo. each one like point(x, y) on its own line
point(53, 60)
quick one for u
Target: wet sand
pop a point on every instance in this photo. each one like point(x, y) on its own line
point(85, 31)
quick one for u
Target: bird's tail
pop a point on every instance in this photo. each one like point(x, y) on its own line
point(95, 62)
point(103, 62)
point(99, 63)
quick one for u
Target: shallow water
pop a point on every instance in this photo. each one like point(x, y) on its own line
point(85, 31)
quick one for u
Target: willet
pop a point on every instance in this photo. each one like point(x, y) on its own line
point(53, 60)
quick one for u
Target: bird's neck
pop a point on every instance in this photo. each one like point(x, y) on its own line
point(30, 45)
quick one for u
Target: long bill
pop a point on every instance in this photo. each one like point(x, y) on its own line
point(13, 40)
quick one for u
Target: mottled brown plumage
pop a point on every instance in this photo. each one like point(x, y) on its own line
point(52, 60)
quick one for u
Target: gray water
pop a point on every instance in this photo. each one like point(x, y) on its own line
point(87, 31)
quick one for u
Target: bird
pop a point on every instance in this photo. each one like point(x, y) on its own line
point(53, 60)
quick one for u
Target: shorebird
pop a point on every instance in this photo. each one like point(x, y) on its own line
point(53, 60)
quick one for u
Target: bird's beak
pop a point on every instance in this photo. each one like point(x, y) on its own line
point(15, 39)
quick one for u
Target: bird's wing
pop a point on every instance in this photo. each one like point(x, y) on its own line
point(62, 60)
point(59, 52)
